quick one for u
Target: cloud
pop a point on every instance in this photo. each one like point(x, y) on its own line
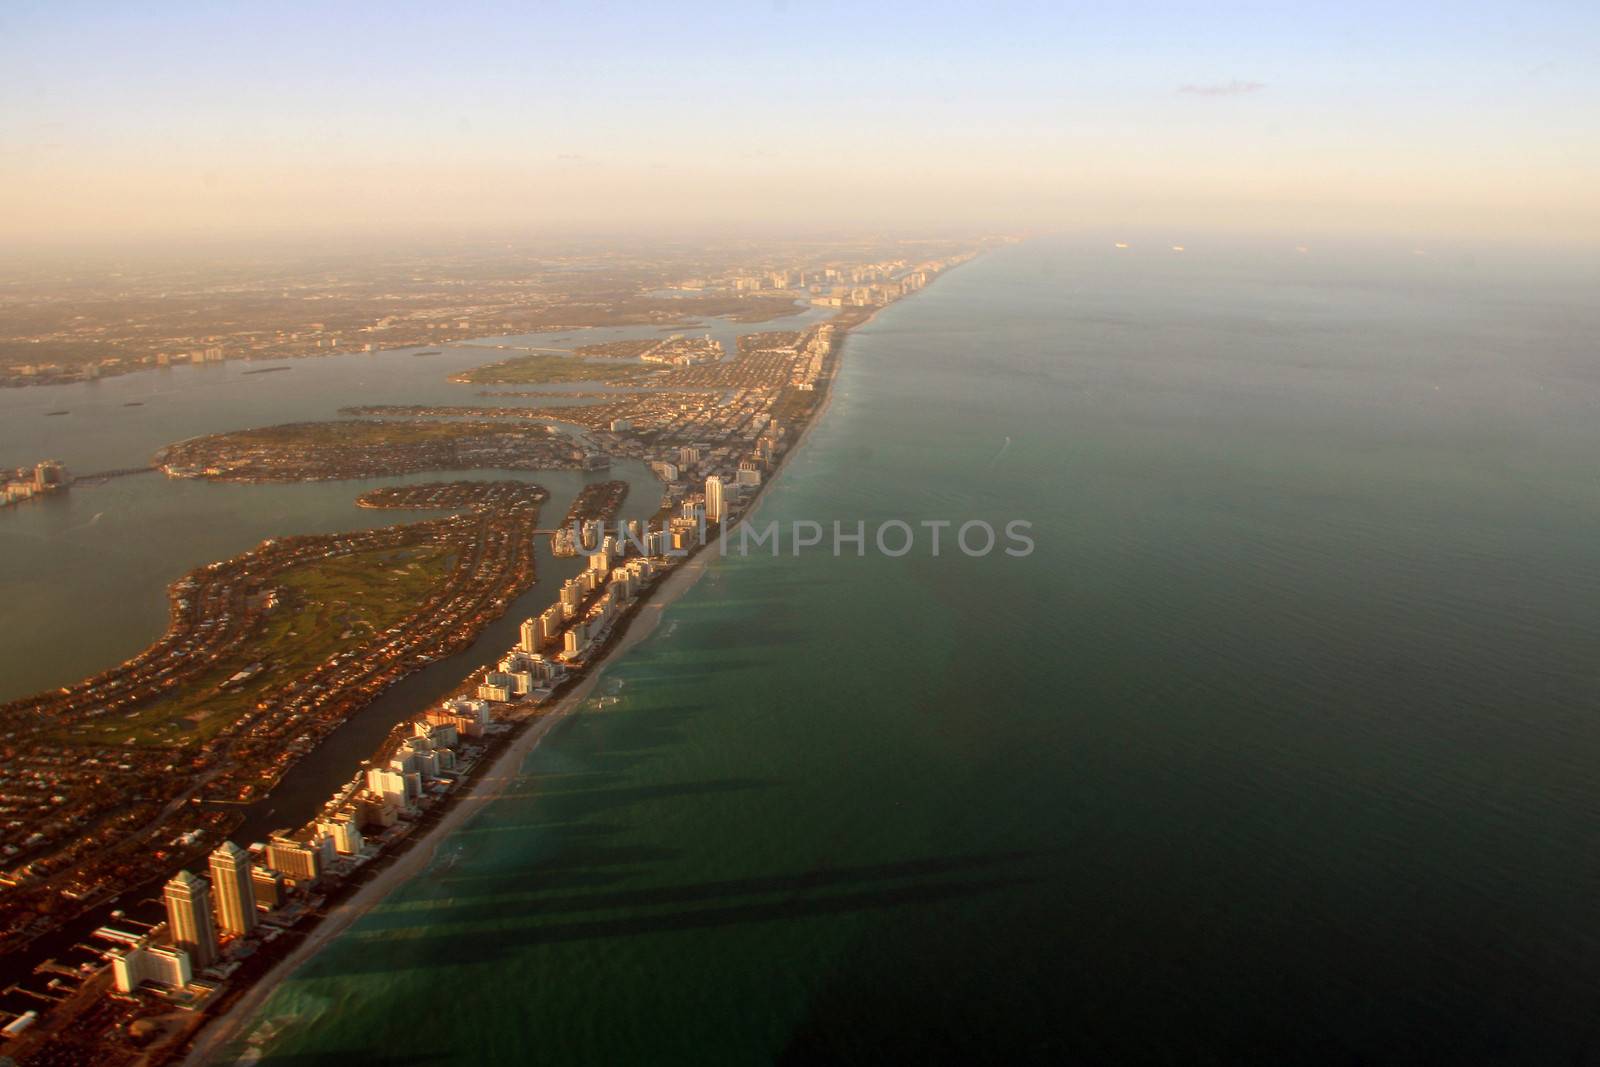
point(1233, 88)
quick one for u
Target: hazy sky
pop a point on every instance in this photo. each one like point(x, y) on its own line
point(1477, 120)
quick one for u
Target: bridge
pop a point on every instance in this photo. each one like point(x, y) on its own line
point(102, 476)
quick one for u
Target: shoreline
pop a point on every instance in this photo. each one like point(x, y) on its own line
point(483, 790)
point(228, 1026)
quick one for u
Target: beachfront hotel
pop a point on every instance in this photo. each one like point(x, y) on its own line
point(188, 898)
point(230, 875)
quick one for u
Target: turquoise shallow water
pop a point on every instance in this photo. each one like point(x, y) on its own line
point(1281, 747)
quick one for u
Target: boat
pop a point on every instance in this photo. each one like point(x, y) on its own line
point(58, 413)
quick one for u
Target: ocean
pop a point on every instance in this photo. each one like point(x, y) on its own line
point(1282, 746)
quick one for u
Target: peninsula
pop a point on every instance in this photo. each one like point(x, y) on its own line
point(269, 651)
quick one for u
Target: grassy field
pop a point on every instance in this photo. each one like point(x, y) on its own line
point(541, 368)
point(353, 433)
point(326, 607)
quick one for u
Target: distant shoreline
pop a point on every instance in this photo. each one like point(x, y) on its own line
point(77, 374)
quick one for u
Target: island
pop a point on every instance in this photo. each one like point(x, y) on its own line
point(325, 451)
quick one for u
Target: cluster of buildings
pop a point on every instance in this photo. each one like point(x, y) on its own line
point(824, 278)
point(814, 352)
point(621, 566)
point(56, 374)
point(211, 918)
point(860, 285)
point(204, 915)
point(110, 366)
point(560, 639)
point(876, 293)
point(681, 351)
point(772, 281)
point(424, 764)
point(25, 483)
point(245, 894)
point(726, 472)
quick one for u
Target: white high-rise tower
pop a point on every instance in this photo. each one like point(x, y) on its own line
point(236, 898)
point(716, 504)
point(189, 919)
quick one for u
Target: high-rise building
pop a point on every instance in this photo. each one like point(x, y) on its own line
point(189, 920)
point(236, 902)
point(299, 860)
point(389, 784)
point(268, 888)
point(550, 625)
point(345, 834)
point(444, 735)
point(571, 597)
point(132, 965)
point(716, 505)
point(469, 717)
point(49, 475)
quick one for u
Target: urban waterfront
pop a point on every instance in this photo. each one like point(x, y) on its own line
point(86, 572)
point(1280, 746)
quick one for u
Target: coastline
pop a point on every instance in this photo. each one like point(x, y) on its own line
point(217, 1032)
point(483, 790)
